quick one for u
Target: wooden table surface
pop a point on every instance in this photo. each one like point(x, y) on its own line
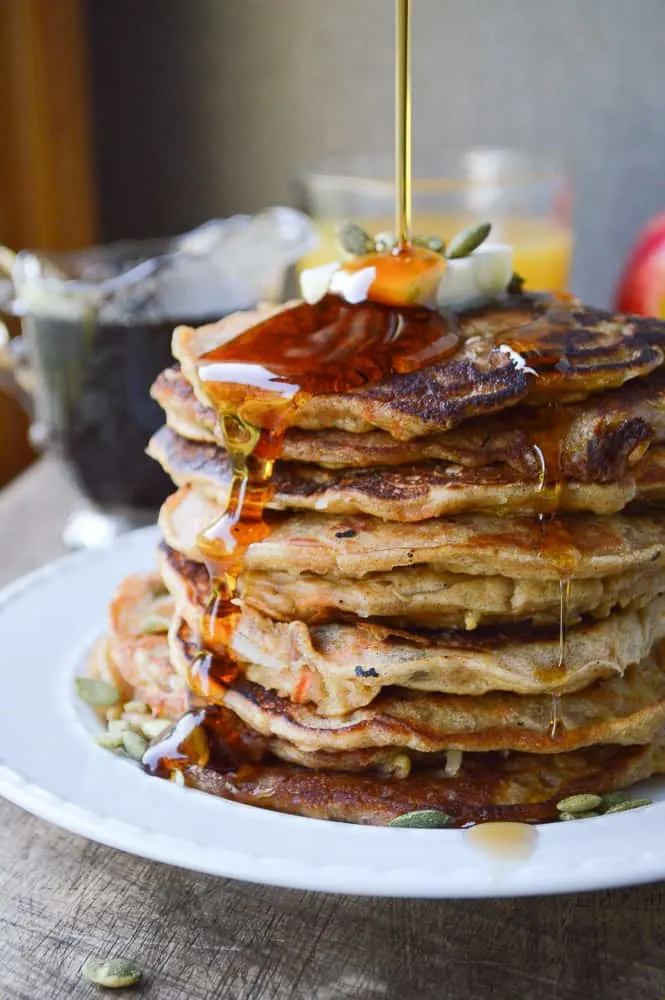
point(202, 938)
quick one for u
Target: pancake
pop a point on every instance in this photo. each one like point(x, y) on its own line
point(623, 710)
point(488, 787)
point(598, 439)
point(340, 667)
point(407, 493)
point(421, 594)
point(573, 351)
point(476, 544)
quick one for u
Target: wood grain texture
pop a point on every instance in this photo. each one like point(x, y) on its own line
point(47, 197)
point(201, 938)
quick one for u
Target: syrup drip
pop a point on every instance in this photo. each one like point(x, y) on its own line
point(547, 441)
point(256, 383)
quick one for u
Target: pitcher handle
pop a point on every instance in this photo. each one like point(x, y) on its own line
point(16, 376)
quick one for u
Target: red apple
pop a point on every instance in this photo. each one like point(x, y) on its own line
point(642, 286)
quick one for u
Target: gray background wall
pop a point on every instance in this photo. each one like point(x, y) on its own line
point(206, 107)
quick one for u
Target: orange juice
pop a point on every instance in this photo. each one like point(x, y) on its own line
point(543, 247)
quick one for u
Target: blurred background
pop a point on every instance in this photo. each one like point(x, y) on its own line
point(141, 119)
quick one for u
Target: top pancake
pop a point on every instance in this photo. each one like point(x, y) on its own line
point(593, 351)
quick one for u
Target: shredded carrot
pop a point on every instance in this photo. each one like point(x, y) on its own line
point(301, 688)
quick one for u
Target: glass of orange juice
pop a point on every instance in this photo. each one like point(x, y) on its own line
point(527, 200)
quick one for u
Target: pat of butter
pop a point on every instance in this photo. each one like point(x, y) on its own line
point(315, 281)
point(353, 287)
point(487, 271)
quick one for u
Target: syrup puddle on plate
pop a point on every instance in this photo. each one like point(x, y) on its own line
point(504, 841)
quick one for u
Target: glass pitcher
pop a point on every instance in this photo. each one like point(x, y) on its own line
point(96, 331)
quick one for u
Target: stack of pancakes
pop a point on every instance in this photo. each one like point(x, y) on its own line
point(461, 601)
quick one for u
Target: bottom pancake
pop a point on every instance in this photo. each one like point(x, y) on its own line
point(488, 786)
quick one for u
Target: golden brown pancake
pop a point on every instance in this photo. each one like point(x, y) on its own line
point(422, 593)
point(407, 492)
point(623, 710)
point(597, 440)
point(340, 667)
point(592, 352)
point(488, 787)
point(476, 544)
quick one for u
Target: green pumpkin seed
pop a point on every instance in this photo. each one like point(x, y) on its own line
point(154, 625)
point(466, 242)
point(612, 798)
point(117, 726)
point(579, 803)
point(354, 240)
point(109, 740)
point(627, 804)
point(95, 692)
point(113, 973)
point(153, 728)
point(137, 706)
point(423, 819)
point(579, 815)
point(434, 243)
point(135, 745)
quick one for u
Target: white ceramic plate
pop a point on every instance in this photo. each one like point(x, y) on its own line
point(50, 766)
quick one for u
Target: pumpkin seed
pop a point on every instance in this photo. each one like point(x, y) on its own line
point(135, 745)
point(588, 814)
point(399, 767)
point(627, 804)
point(579, 803)
point(178, 778)
point(424, 819)
point(453, 763)
point(137, 706)
point(466, 242)
point(95, 692)
point(154, 625)
point(354, 240)
point(152, 728)
point(434, 243)
point(109, 740)
point(113, 973)
point(117, 726)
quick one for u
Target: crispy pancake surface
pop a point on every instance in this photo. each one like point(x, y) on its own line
point(601, 351)
point(302, 575)
point(408, 492)
point(601, 437)
point(344, 666)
